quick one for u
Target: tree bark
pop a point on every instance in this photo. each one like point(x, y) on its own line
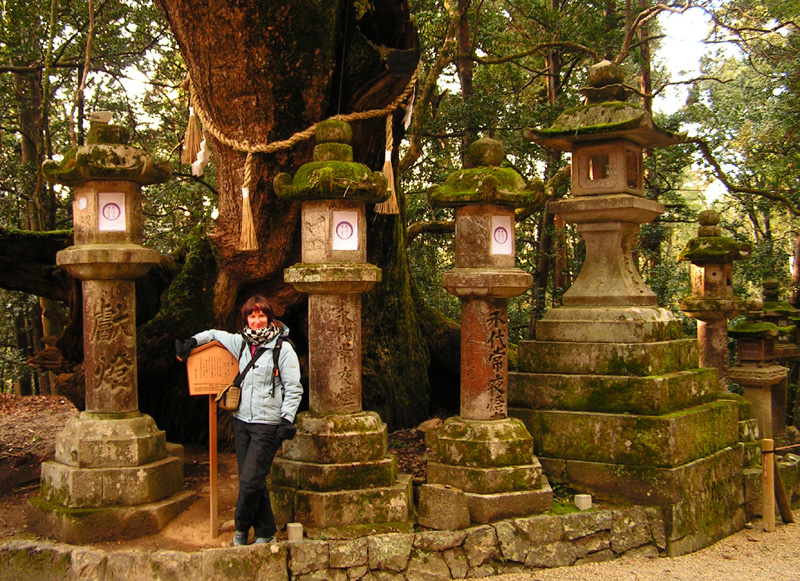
point(263, 71)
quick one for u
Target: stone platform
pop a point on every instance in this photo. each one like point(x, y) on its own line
point(638, 422)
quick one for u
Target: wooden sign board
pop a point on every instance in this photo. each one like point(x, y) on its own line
point(211, 368)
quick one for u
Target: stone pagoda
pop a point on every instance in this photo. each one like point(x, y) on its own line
point(610, 391)
point(114, 476)
point(712, 301)
point(337, 471)
point(483, 452)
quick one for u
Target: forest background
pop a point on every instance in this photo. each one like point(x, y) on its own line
point(262, 71)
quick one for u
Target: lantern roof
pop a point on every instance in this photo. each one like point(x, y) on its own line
point(106, 156)
point(710, 247)
point(486, 182)
point(333, 174)
point(606, 115)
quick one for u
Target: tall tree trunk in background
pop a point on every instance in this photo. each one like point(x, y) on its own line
point(645, 78)
point(41, 203)
point(546, 222)
point(464, 68)
point(264, 71)
point(795, 294)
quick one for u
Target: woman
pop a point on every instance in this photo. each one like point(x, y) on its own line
point(266, 412)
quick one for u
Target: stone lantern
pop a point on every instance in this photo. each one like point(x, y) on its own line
point(482, 451)
point(785, 317)
point(712, 301)
point(337, 471)
point(611, 392)
point(113, 475)
point(763, 381)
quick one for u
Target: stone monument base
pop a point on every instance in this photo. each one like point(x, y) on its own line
point(492, 461)
point(114, 477)
point(337, 472)
point(90, 525)
point(637, 422)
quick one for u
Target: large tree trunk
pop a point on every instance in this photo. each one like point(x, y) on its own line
point(262, 72)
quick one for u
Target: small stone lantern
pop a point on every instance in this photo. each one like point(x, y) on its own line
point(484, 452)
point(712, 301)
point(112, 476)
point(763, 381)
point(337, 471)
point(785, 317)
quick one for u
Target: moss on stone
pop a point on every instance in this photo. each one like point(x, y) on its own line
point(706, 249)
point(755, 330)
point(329, 180)
point(485, 184)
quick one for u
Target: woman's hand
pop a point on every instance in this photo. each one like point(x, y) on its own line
point(184, 348)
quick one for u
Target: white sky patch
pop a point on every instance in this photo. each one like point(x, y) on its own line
point(680, 51)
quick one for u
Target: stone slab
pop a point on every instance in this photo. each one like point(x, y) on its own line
point(81, 526)
point(636, 440)
point(608, 324)
point(442, 507)
point(322, 477)
point(91, 442)
point(488, 508)
point(641, 359)
point(350, 507)
point(484, 443)
point(338, 438)
point(486, 480)
point(650, 395)
point(647, 485)
point(73, 487)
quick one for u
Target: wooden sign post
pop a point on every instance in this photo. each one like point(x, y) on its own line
point(211, 368)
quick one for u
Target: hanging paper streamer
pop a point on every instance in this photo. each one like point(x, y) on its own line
point(193, 138)
point(203, 157)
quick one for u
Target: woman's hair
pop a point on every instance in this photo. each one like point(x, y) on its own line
point(257, 303)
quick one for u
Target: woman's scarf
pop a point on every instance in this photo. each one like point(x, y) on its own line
point(261, 336)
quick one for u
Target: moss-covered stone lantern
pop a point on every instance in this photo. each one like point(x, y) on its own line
point(606, 137)
point(337, 471)
point(609, 380)
point(481, 450)
point(763, 381)
point(112, 476)
point(712, 301)
point(785, 317)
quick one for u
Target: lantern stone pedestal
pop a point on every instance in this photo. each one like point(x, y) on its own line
point(610, 391)
point(336, 473)
point(483, 452)
point(114, 475)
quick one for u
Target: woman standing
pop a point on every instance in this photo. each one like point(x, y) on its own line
point(266, 413)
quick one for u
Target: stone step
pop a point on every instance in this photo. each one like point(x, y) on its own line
point(644, 484)
point(489, 508)
point(326, 477)
point(634, 440)
point(103, 487)
point(486, 480)
point(649, 395)
point(641, 359)
point(343, 508)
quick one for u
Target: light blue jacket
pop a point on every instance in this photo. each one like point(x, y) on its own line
point(260, 404)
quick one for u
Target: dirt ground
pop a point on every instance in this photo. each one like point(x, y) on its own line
point(28, 427)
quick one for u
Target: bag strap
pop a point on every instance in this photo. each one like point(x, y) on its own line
point(276, 353)
point(239, 378)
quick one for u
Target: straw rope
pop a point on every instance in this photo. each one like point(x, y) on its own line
point(248, 237)
point(245, 146)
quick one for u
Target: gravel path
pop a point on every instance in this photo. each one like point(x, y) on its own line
point(751, 555)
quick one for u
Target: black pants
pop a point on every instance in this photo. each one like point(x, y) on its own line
point(255, 449)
